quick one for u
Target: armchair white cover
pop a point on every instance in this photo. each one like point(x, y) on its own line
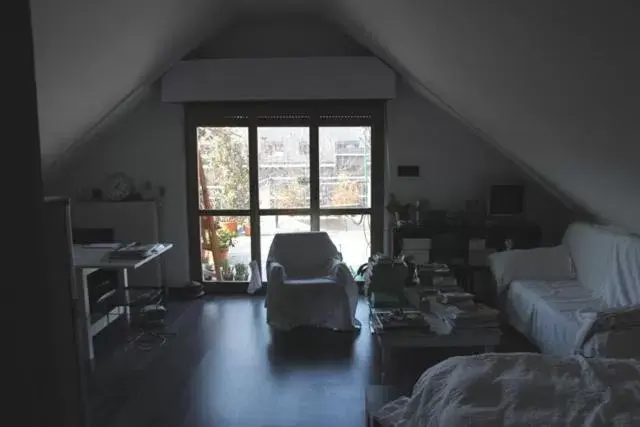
point(308, 284)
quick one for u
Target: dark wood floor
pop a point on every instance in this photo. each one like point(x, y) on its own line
point(225, 367)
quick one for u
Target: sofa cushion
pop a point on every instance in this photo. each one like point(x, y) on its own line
point(547, 312)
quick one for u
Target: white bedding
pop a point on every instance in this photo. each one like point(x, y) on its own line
point(521, 389)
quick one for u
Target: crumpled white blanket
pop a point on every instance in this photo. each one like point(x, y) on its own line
point(521, 389)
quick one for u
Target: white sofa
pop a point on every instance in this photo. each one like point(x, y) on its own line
point(581, 297)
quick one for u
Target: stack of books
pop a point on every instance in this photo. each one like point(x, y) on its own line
point(458, 312)
point(459, 299)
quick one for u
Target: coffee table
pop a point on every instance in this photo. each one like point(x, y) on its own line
point(466, 339)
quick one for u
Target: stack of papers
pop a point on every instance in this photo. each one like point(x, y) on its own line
point(469, 316)
point(385, 320)
point(459, 299)
point(135, 252)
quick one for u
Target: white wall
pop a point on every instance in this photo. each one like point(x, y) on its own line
point(279, 36)
point(90, 56)
point(147, 145)
point(455, 164)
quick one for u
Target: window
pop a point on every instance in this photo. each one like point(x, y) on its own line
point(303, 146)
point(255, 170)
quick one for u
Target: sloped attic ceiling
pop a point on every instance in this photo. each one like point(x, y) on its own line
point(92, 57)
point(552, 83)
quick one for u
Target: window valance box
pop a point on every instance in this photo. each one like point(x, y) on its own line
point(315, 78)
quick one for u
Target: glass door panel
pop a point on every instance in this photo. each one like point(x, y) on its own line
point(345, 167)
point(233, 234)
point(223, 170)
point(272, 224)
point(352, 235)
point(284, 167)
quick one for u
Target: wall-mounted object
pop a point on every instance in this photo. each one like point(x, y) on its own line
point(260, 79)
point(408, 171)
point(117, 187)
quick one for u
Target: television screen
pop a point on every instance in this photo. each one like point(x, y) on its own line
point(506, 200)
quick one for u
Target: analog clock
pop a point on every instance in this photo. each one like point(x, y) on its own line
point(118, 187)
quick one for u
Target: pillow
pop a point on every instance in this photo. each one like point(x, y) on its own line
point(550, 264)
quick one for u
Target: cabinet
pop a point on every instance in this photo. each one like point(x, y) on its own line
point(451, 240)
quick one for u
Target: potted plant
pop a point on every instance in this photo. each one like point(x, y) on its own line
point(227, 271)
point(242, 272)
point(230, 224)
point(225, 241)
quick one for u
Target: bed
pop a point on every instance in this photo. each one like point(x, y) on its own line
point(521, 389)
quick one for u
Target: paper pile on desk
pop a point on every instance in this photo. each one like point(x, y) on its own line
point(135, 252)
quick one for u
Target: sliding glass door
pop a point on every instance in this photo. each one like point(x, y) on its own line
point(284, 183)
point(257, 170)
point(345, 190)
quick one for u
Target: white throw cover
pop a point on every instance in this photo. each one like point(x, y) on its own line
point(614, 329)
point(597, 314)
point(621, 287)
point(591, 249)
point(308, 284)
point(521, 389)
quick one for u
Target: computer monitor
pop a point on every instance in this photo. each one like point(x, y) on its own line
point(506, 200)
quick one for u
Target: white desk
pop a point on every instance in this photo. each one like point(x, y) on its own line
point(86, 260)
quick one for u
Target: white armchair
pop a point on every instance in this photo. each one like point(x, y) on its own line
point(308, 284)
